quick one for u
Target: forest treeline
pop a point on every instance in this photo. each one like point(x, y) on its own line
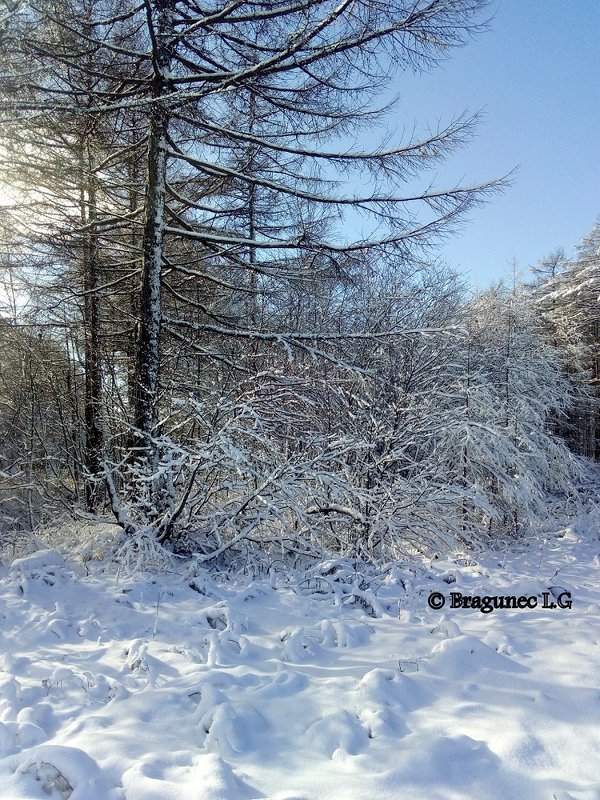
point(222, 322)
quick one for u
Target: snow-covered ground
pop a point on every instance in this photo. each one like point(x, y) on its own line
point(148, 689)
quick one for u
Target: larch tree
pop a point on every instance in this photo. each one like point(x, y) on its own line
point(249, 114)
point(73, 168)
point(568, 301)
point(313, 65)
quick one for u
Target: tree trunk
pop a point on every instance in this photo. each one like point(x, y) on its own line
point(147, 373)
point(91, 313)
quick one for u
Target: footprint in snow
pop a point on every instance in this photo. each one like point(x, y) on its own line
point(203, 776)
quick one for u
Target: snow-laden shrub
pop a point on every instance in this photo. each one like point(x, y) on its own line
point(444, 439)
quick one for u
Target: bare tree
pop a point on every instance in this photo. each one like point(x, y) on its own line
point(248, 114)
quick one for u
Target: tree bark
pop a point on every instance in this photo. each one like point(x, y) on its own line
point(93, 367)
point(147, 373)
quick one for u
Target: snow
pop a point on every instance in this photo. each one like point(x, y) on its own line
point(158, 688)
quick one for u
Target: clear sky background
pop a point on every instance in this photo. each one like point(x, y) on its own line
point(536, 75)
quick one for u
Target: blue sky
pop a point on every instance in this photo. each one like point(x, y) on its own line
point(536, 75)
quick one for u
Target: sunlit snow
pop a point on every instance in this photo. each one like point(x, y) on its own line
point(283, 688)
